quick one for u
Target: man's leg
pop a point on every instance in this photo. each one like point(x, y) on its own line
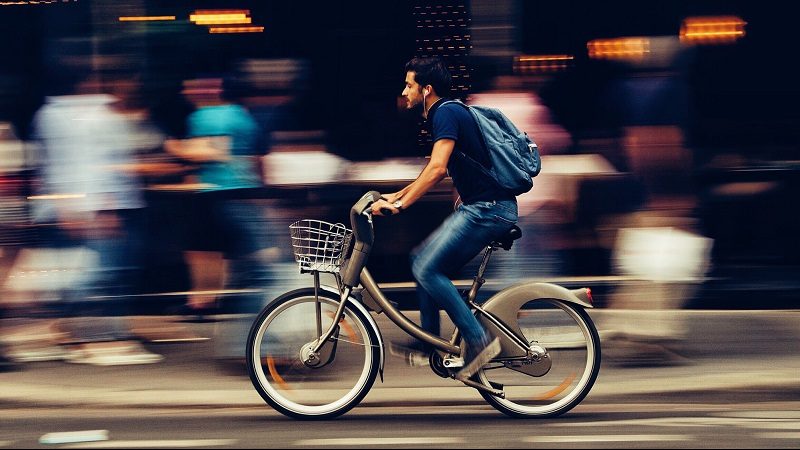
point(428, 306)
point(459, 239)
point(448, 249)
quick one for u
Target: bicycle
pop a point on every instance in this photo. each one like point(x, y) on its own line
point(314, 353)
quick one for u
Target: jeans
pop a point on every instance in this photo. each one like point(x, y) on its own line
point(244, 230)
point(119, 253)
point(459, 239)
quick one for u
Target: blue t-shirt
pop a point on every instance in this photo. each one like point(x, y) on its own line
point(235, 122)
point(453, 121)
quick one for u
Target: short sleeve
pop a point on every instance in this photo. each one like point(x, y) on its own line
point(445, 124)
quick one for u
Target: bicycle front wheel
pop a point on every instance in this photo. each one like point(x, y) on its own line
point(280, 335)
point(565, 376)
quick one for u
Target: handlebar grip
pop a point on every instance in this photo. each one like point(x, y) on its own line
point(364, 238)
point(375, 195)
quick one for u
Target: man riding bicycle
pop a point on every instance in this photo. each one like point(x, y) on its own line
point(485, 213)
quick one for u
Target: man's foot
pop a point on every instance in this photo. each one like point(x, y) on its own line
point(477, 358)
point(415, 354)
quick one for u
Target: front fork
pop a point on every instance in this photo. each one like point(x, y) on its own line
point(320, 352)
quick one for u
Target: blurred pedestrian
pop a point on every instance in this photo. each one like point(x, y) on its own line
point(221, 219)
point(12, 218)
point(94, 203)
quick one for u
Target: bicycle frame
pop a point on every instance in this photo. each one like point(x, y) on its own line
point(496, 313)
point(356, 269)
point(382, 304)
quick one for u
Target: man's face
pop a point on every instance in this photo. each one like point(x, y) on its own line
point(412, 92)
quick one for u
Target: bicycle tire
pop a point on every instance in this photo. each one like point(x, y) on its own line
point(549, 396)
point(268, 384)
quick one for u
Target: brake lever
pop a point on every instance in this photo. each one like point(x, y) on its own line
point(385, 211)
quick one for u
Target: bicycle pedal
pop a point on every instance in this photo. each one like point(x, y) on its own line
point(453, 362)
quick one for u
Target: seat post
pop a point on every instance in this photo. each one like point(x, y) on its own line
point(478, 281)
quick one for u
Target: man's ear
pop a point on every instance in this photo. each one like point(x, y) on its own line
point(427, 90)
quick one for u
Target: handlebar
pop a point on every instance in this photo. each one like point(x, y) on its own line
point(361, 221)
point(363, 206)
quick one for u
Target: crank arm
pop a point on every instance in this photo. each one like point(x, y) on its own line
point(499, 393)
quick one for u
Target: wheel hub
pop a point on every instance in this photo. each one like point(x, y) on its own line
point(309, 357)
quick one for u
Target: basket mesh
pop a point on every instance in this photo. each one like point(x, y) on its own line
point(319, 246)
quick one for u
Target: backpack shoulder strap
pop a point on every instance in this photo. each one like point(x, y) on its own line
point(458, 102)
point(463, 155)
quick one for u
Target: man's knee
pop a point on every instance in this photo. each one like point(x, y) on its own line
point(424, 270)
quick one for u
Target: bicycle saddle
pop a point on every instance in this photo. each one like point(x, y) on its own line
point(508, 239)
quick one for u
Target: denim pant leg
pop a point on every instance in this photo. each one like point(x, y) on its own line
point(104, 319)
point(113, 278)
point(245, 224)
point(459, 239)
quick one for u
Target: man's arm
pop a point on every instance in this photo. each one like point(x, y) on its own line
point(433, 173)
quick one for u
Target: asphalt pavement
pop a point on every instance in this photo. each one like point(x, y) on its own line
point(645, 353)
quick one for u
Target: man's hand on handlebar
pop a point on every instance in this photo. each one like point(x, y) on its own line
point(385, 207)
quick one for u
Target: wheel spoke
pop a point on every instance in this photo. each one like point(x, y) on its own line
point(558, 389)
point(274, 374)
point(330, 382)
point(555, 384)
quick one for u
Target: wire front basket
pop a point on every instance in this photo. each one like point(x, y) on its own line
point(319, 246)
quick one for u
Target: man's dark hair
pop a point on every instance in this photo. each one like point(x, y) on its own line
point(431, 71)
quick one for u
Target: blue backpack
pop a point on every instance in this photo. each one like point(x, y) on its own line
point(514, 156)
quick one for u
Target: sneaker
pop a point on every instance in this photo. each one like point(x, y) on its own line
point(113, 354)
point(35, 352)
point(417, 359)
point(415, 354)
point(474, 363)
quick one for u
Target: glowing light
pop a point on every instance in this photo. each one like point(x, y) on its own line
point(219, 30)
point(56, 197)
point(231, 19)
point(221, 17)
point(627, 48)
point(529, 64)
point(145, 18)
point(712, 30)
point(34, 2)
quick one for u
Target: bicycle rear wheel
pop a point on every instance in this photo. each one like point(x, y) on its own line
point(567, 374)
point(275, 344)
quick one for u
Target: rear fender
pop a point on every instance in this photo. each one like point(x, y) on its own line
point(505, 304)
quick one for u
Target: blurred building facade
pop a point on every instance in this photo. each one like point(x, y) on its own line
point(699, 135)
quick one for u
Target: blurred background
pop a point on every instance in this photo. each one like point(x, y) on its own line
point(668, 133)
